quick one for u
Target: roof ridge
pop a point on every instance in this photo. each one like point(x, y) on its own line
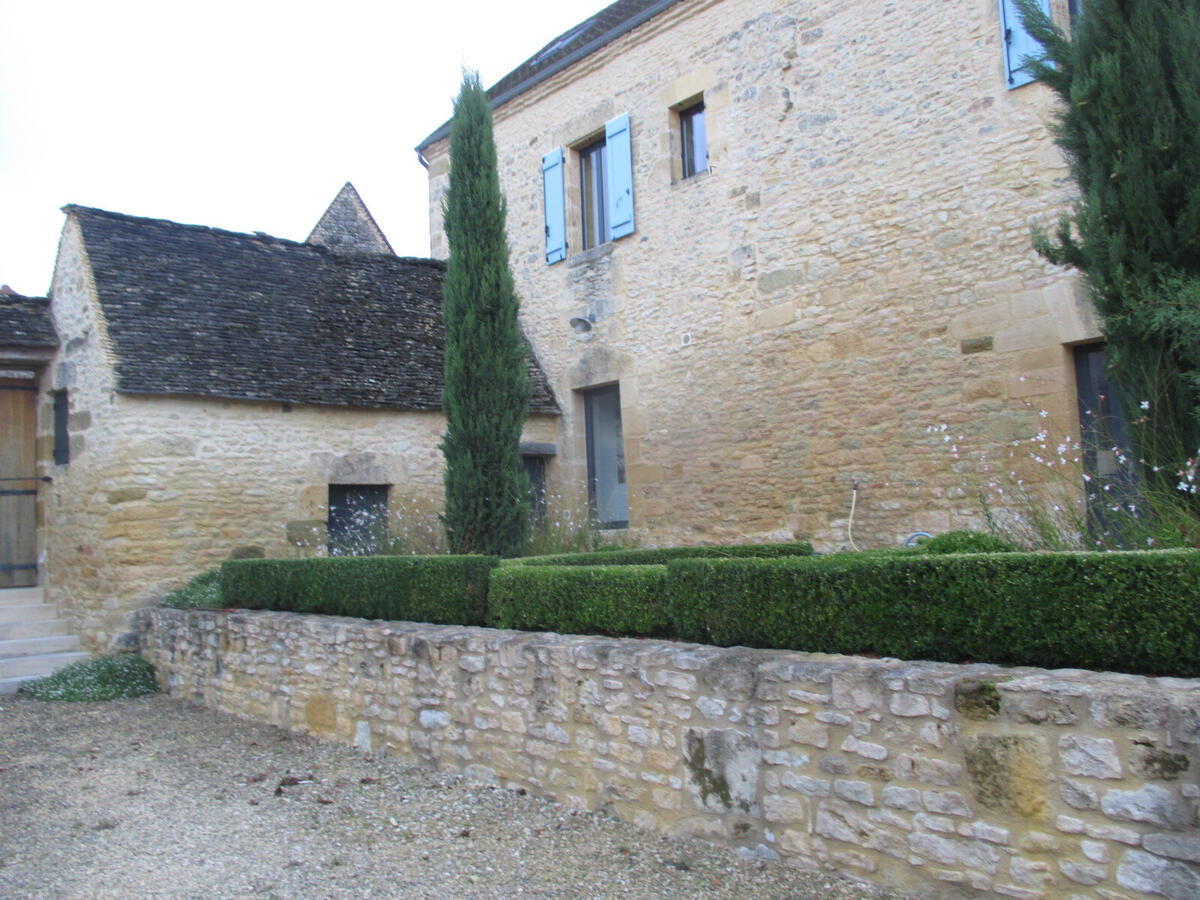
point(212, 229)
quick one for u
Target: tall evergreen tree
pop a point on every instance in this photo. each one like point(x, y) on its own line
point(1129, 126)
point(487, 392)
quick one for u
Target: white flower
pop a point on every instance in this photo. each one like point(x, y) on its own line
point(1145, 404)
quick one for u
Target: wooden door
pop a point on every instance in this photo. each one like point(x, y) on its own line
point(18, 482)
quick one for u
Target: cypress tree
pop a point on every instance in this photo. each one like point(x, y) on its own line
point(486, 394)
point(1129, 126)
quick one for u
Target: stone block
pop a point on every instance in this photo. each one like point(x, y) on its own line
point(1174, 846)
point(723, 768)
point(1082, 873)
point(1152, 804)
point(1156, 764)
point(1078, 794)
point(948, 803)
point(1092, 757)
point(854, 791)
point(1008, 773)
point(929, 770)
point(1141, 871)
point(810, 733)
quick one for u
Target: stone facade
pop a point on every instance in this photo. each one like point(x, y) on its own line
point(946, 780)
point(158, 489)
point(854, 267)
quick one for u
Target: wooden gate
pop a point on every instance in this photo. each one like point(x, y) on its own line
point(18, 482)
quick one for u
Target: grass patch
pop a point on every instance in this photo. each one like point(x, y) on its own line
point(99, 678)
point(202, 592)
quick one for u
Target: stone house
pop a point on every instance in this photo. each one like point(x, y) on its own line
point(215, 394)
point(763, 247)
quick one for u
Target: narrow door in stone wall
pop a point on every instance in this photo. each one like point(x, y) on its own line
point(18, 482)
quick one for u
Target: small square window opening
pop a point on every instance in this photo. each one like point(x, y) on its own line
point(694, 140)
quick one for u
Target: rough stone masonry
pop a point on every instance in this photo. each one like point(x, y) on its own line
point(952, 780)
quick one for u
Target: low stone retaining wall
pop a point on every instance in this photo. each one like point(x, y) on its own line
point(948, 780)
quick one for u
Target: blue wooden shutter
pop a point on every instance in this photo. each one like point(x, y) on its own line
point(556, 215)
point(620, 176)
point(1018, 43)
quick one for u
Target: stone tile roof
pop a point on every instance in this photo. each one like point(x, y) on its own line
point(568, 48)
point(25, 321)
point(196, 311)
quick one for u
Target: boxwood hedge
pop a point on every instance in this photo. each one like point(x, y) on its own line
point(1133, 612)
point(444, 590)
point(616, 600)
point(661, 555)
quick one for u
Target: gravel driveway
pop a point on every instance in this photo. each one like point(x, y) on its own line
point(157, 798)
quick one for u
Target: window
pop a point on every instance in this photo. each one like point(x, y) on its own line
point(1104, 436)
point(694, 140)
point(535, 471)
point(1018, 43)
point(592, 168)
point(358, 519)
point(605, 191)
point(62, 437)
point(607, 493)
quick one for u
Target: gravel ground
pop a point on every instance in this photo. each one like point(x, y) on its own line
point(157, 798)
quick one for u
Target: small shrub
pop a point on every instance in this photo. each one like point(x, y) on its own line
point(616, 600)
point(202, 592)
point(99, 678)
point(966, 542)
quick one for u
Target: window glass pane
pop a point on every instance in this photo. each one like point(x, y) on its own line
point(606, 456)
point(695, 141)
point(592, 195)
point(358, 519)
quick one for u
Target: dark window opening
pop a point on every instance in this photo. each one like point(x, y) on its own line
point(535, 471)
point(62, 437)
point(358, 519)
point(1108, 464)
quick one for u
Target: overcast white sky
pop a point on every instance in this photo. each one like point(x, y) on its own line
point(244, 115)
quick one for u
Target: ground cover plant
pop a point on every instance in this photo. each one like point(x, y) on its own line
point(98, 678)
point(202, 592)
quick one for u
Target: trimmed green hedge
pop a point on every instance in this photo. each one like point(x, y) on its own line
point(616, 600)
point(1133, 612)
point(444, 590)
point(662, 555)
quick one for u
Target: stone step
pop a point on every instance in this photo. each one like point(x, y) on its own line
point(15, 631)
point(25, 668)
point(38, 646)
point(34, 612)
point(22, 596)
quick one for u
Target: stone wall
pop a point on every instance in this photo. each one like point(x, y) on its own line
point(951, 781)
point(854, 267)
point(159, 489)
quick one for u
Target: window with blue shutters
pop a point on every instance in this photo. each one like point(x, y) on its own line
point(605, 191)
point(556, 215)
point(1018, 43)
